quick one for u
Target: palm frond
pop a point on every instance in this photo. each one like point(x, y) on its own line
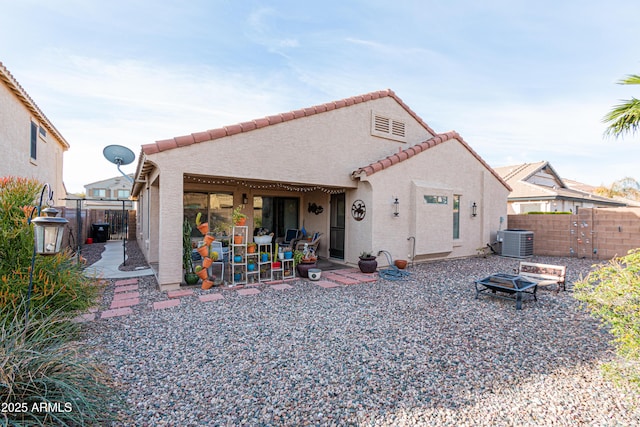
point(624, 118)
point(631, 79)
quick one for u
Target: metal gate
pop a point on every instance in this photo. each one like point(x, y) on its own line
point(118, 223)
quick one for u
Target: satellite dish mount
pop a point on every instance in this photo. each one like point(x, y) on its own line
point(119, 155)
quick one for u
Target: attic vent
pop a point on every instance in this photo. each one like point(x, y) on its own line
point(386, 127)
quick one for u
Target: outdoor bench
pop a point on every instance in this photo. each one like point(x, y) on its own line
point(544, 274)
point(506, 286)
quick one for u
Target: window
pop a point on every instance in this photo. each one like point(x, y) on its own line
point(34, 140)
point(43, 133)
point(438, 200)
point(99, 192)
point(216, 209)
point(123, 194)
point(387, 127)
point(456, 216)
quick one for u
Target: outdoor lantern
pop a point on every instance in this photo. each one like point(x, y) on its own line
point(474, 209)
point(48, 231)
point(396, 208)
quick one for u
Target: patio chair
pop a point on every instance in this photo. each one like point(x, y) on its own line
point(290, 237)
point(311, 244)
point(216, 246)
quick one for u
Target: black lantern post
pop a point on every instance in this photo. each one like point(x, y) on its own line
point(47, 234)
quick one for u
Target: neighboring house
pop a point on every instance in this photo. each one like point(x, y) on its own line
point(31, 146)
point(109, 194)
point(537, 187)
point(590, 189)
point(337, 168)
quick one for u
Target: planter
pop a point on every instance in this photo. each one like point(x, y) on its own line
point(368, 264)
point(203, 251)
point(237, 240)
point(241, 222)
point(304, 267)
point(276, 265)
point(281, 256)
point(288, 255)
point(263, 240)
point(314, 274)
point(251, 249)
point(237, 259)
point(237, 277)
point(208, 239)
point(251, 267)
point(207, 284)
point(400, 263)
point(264, 257)
point(191, 278)
point(206, 262)
point(204, 228)
point(203, 274)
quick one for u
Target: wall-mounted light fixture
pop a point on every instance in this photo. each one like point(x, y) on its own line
point(474, 209)
point(396, 207)
point(245, 199)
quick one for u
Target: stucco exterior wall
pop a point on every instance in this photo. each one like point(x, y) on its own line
point(320, 149)
point(15, 144)
point(445, 170)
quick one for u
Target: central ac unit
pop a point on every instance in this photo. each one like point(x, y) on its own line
point(516, 243)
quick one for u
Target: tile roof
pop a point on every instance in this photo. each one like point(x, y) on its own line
point(15, 87)
point(413, 150)
point(194, 138)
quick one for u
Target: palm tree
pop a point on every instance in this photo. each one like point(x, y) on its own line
point(625, 117)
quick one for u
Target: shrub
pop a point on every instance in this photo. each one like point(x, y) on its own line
point(612, 294)
point(43, 379)
point(58, 282)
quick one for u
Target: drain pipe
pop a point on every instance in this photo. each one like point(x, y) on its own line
point(413, 250)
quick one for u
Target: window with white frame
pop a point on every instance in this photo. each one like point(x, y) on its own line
point(123, 194)
point(99, 192)
point(33, 151)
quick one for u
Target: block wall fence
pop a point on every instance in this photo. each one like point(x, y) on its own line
point(601, 233)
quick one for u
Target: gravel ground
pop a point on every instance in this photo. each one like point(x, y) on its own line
point(420, 352)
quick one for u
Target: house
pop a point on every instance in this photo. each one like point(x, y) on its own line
point(109, 193)
point(537, 187)
point(367, 172)
point(31, 145)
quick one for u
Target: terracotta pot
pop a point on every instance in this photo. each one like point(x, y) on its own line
point(400, 263)
point(237, 240)
point(203, 274)
point(368, 265)
point(204, 228)
point(207, 284)
point(241, 221)
point(251, 249)
point(203, 251)
point(208, 239)
point(206, 262)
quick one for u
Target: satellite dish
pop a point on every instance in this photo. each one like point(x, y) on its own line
point(119, 155)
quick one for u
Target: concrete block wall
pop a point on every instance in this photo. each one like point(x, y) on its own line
point(601, 233)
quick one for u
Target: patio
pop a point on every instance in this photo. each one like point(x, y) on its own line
point(416, 352)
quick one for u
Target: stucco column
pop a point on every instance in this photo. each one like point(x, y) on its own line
point(170, 228)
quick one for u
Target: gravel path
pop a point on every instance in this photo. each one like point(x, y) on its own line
point(417, 352)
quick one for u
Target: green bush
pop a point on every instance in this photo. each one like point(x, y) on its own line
point(612, 294)
point(43, 379)
point(58, 282)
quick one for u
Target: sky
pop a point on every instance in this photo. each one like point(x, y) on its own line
point(520, 81)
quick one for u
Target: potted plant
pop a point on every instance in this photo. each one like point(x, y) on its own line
point(190, 276)
point(251, 247)
point(203, 227)
point(238, 217)
point(367, 263)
